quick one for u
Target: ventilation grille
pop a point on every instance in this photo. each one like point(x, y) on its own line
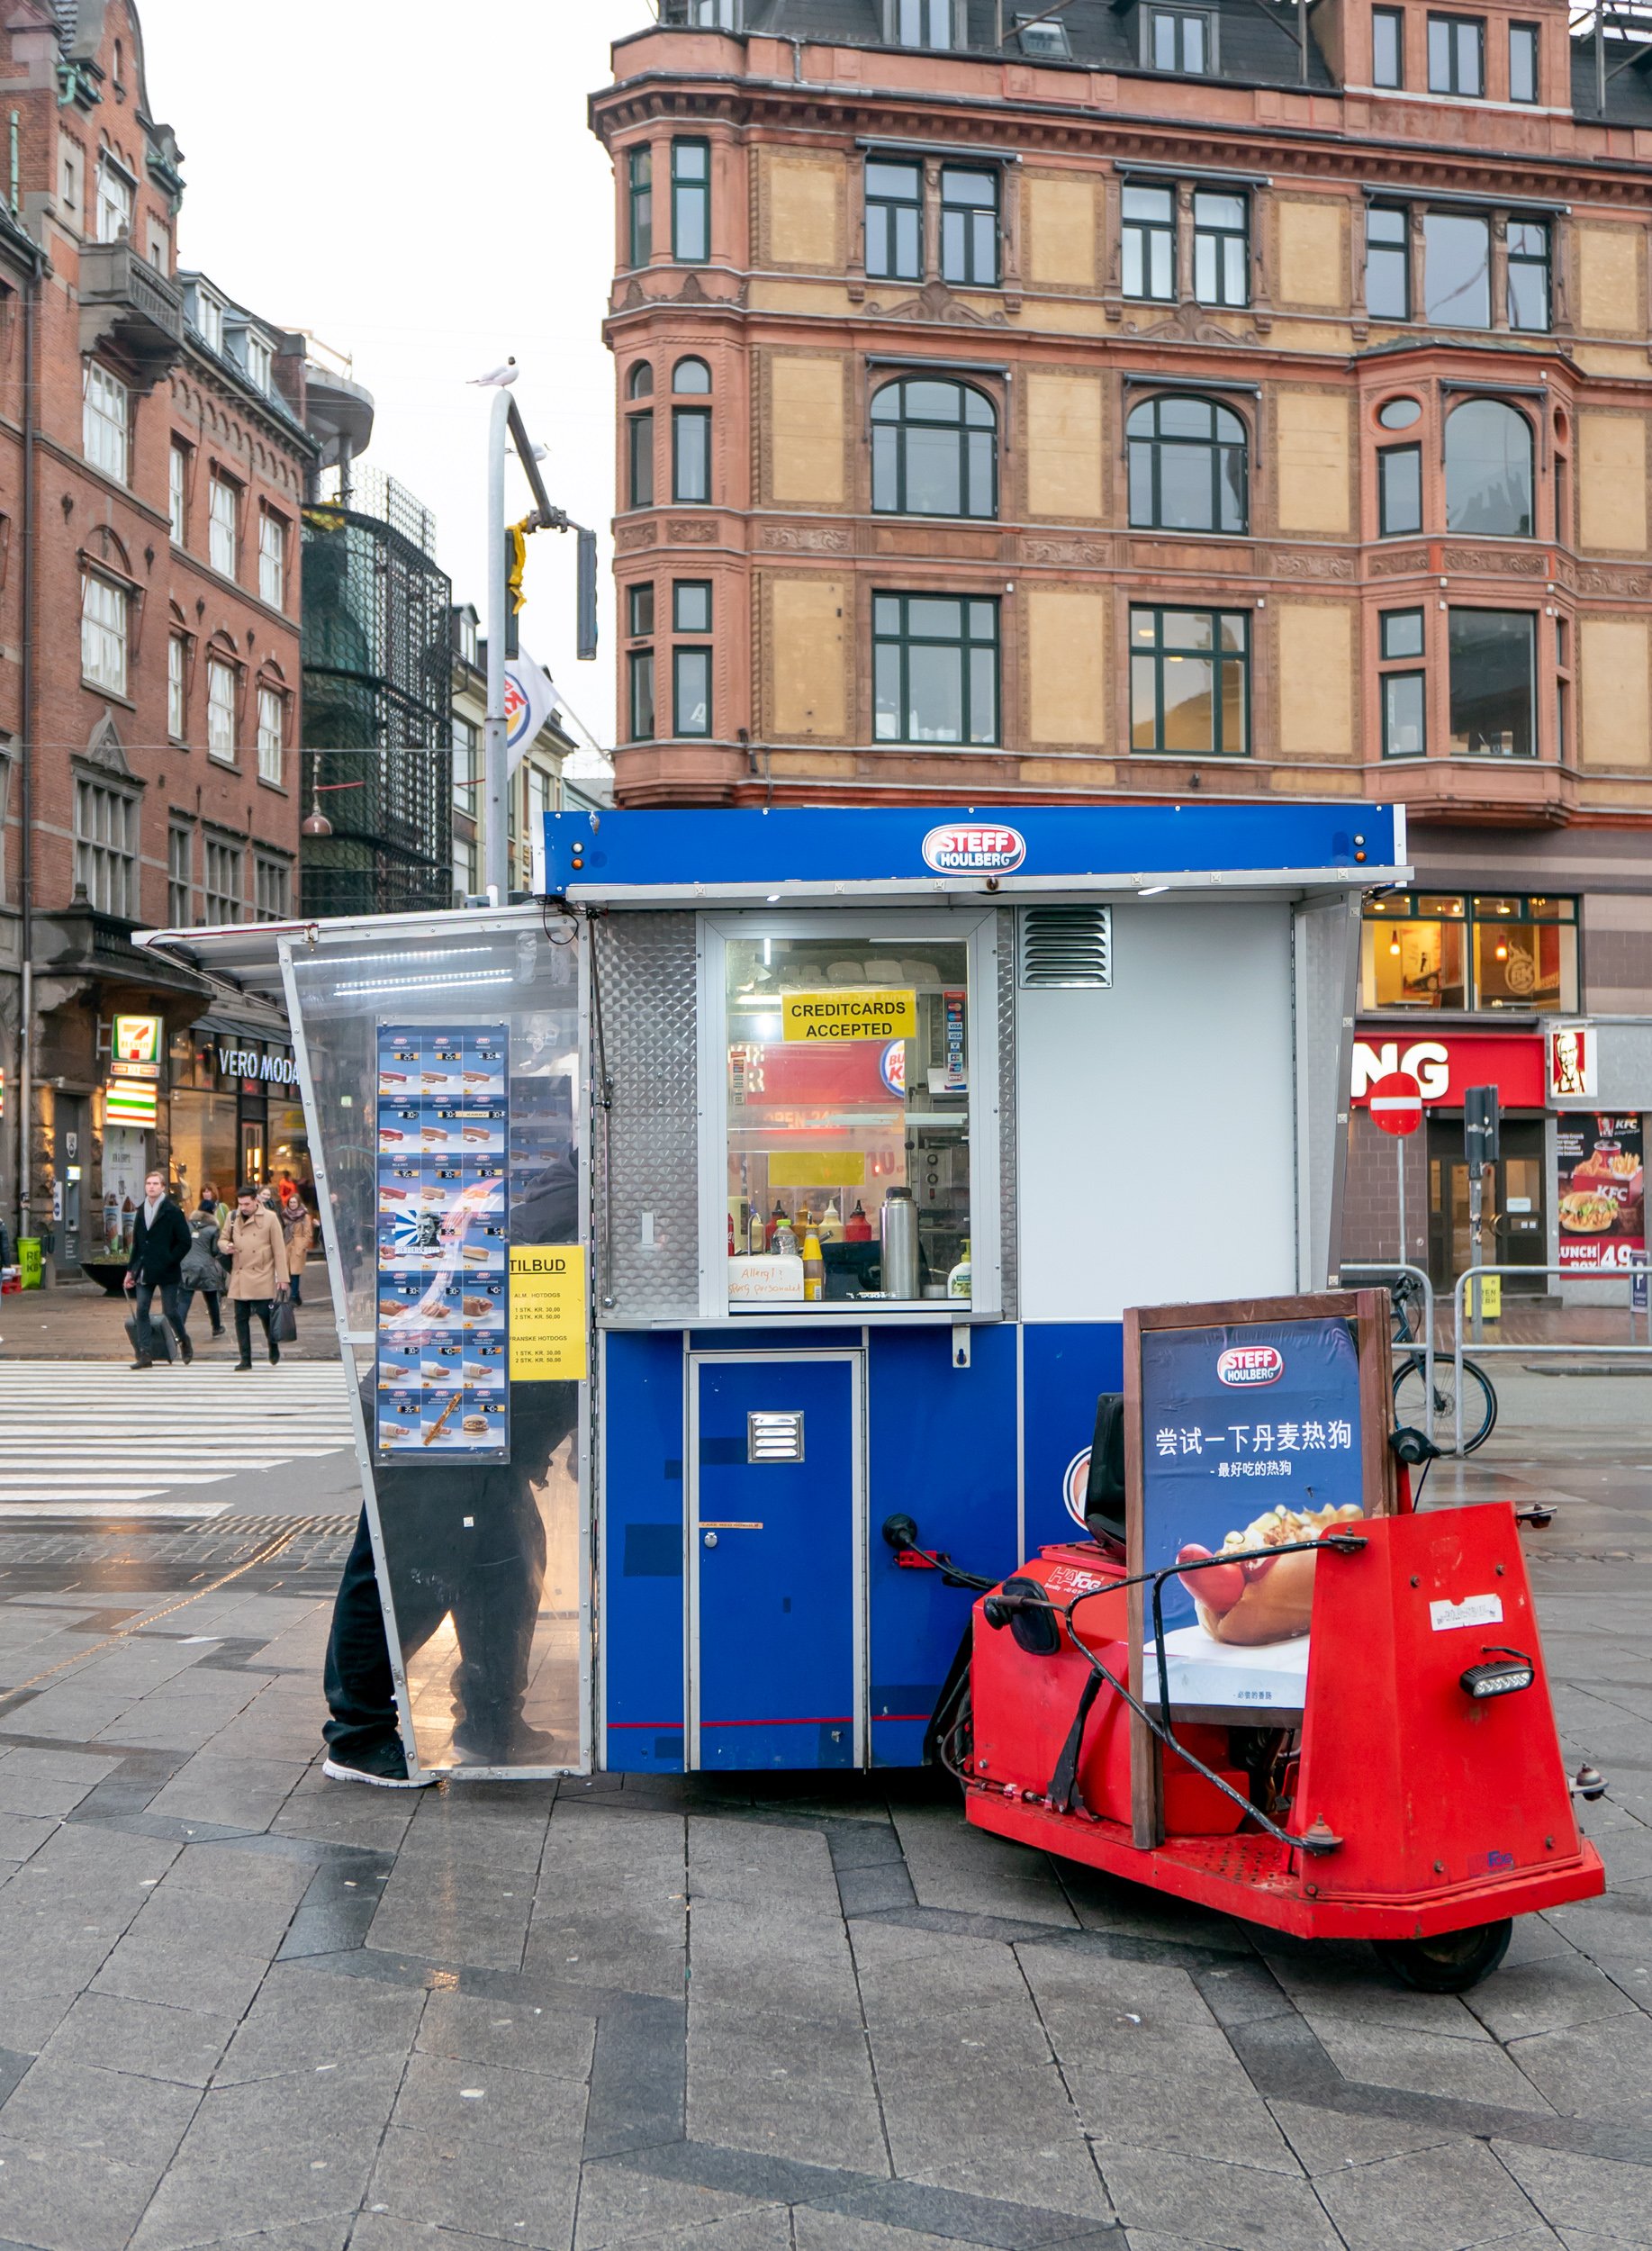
point(1066, 945)
point(771, 1437)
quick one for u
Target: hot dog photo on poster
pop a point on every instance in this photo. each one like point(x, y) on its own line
point(1251, 1440)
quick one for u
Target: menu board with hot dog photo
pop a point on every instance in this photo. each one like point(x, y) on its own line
point(1601, 1179)
point(443, 1270)
point(1251, 1440)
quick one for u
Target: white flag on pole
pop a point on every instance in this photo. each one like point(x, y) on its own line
point(529, 700)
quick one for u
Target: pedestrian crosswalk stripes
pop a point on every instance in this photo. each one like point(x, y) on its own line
point(90, 1439)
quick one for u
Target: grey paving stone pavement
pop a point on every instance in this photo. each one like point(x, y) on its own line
point(242, 2006)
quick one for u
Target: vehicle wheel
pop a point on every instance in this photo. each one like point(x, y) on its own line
point(1411, 1401)
point(1450, 1963)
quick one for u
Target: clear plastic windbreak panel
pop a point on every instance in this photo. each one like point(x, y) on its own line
point(446, 1075)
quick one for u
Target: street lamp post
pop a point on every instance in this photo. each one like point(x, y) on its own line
point(506, 421)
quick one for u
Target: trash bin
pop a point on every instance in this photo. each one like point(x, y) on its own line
point(30, 1261)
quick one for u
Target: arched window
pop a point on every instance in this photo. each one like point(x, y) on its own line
point(693, 376)
point(640, 383)
point(935, 450)
point(1187, 466)
point(1488, 471)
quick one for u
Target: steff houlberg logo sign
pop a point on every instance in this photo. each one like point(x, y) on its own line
point(1250, 1363)
point(966, 848)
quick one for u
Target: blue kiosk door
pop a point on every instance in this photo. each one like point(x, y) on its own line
point(776, 1573)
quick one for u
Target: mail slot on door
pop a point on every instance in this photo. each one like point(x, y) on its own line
point(774, 1437)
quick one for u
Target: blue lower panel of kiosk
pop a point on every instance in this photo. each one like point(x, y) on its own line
point(1065, 1365)
point(774, 1647)
point(641, 1551)
point(941, 1444)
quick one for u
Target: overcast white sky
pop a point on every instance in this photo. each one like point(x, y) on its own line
point(416, 184)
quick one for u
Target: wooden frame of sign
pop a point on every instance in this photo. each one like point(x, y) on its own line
point(1369, 1313)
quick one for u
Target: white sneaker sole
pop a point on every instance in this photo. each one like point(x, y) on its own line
point(331, 1767)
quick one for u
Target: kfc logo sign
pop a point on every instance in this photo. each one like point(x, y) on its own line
point(964, 849)
point(1250, 1363)
point(1572, 1071)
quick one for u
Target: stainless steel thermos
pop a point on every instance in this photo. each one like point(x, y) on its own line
point(897, 1236)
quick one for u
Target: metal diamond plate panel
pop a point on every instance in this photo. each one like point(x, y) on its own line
point(647, 1194)
point(1326, 962)
point(1007, 1232)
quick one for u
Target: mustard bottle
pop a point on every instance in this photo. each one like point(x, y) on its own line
point(813, 1267)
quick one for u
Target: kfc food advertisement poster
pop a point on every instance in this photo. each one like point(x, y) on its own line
point(1250, 1440)
point(443, 1295)
point(1601, 1183)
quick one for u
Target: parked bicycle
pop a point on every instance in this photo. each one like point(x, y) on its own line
point(1411, 1390)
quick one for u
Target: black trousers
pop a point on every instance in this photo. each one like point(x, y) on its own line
point(245, 1307)
point(211, 1298)
point(490, 1588)
point(143, 1298)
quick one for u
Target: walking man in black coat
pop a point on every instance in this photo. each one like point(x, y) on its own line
point(161, 1245)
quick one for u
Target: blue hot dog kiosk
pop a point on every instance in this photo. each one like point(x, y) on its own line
point(772, 1176)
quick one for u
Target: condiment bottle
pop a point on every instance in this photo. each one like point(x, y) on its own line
point(857, 1227)
point(831, 1227)
point(814, 1266)
point(958, 1281)
point(777, 1220)
point(758, 1238)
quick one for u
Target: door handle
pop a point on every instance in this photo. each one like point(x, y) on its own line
point(711, 1540)
point(723, 1524)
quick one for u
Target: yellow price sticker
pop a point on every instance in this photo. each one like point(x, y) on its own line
point(851, 1012)
point(549, 1312)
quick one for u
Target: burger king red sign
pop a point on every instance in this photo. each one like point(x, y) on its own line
point(1250, 1363)
point(972, 848)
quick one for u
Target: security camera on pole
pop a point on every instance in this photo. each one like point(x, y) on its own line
point(506, 556)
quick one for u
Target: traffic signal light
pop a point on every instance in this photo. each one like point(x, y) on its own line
point(1481, 1120)
point(587, 596)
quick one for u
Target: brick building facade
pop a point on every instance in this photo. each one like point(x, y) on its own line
point(1158, 399)
point(152, 464)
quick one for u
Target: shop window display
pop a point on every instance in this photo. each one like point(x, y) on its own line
point(848, 1136)
point(1440, 950)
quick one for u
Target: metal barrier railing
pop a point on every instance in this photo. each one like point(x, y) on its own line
point(1632, 1276)
point(1399, 1266)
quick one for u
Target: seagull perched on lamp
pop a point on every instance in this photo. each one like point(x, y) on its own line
point(497, 378)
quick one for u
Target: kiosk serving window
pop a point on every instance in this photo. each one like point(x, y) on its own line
point(850, 1076)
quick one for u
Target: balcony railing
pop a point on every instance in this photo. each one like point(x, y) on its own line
point(121, 295)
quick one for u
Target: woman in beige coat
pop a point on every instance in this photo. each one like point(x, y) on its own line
point(257, 1250)
point(299, 1229)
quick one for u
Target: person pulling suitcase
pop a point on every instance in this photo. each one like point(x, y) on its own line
point(161, 1245)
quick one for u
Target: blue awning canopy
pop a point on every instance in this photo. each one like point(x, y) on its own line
point(799, 853)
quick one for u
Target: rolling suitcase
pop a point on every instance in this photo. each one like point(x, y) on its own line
point(160, 1343)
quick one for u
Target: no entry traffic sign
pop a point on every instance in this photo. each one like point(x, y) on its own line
point(1396, 1104)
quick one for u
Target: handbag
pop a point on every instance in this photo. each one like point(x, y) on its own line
point(284, 1321)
